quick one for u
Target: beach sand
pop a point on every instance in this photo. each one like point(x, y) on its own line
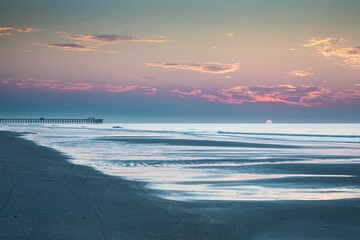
point(43, 196)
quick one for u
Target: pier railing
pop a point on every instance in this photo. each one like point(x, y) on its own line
point(50, 121)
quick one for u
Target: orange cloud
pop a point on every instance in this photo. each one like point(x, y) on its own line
point(323, 41)
point(208, 67)
point(350, 56)
point(300, 73)
point(329, 47)
point(70, 47)
point(19, 29)
point(305, 96)
point(27, 30)
point(74, 47)
point(5, 28)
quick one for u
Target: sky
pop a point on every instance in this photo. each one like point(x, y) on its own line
point(181, 61)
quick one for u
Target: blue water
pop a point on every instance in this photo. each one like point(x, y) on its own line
point(190, 162)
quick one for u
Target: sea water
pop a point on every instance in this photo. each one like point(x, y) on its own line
point(189, 162)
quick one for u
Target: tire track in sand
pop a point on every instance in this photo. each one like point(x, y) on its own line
point(97, 215)
point(9, 195)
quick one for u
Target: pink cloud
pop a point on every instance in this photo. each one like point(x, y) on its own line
point(56, 85)
point(305, 96)
point(33, 83)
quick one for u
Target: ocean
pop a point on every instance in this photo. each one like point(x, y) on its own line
point(230, 162)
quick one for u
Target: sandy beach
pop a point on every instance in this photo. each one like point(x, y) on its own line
point(43, 196)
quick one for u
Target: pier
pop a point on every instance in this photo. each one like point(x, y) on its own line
point(89, 120)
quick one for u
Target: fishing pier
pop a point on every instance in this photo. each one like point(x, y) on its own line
point(89, 120)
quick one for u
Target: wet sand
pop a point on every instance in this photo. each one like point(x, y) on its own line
point(43, 196)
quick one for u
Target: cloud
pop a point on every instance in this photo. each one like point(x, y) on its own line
point(56, 85)
point(208, 67)
point(323, 41)
point(69, 47)
point(19, 29)
point(147, 77)
point(229, 34)
point(300, 73)
point(149, 90)
point(349, 56)
point(304, 96)
point(33, 83)
point(116, 89)
point(103, 39)
point(75, 47)
point(5, 34)
point(330, 47)
point(122, 89)
point(92, 42)
point(27, 30)
point(221, 48)
point(5, 28)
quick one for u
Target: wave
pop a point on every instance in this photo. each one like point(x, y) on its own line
point(291, 134)
point(194, 142)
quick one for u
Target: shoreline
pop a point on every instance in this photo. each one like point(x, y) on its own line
point(44, 196)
